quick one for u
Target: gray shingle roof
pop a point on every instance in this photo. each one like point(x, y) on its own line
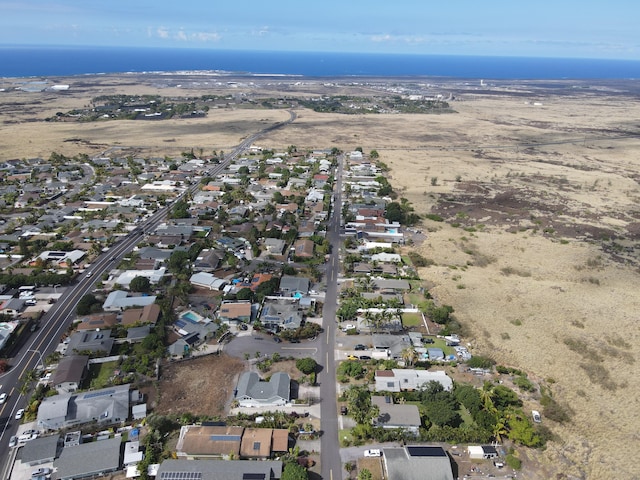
point(212, 470)
point(88, 458)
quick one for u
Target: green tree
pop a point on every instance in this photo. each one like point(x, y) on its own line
point(306, 365)
point(360, 406)
point(140, 284)
point(179, 262)
point(294, 471)
point(365, 474)
point(86, 304)
point(244, 294)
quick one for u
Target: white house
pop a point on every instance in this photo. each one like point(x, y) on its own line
point(399, 379)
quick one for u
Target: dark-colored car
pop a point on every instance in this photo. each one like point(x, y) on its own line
point(427, 340)
point(343, 410)
point(365, 357)
point(294, 340)
point(277, 339)
point(360, 347)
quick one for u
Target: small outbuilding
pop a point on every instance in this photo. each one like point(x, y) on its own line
point(483, 452)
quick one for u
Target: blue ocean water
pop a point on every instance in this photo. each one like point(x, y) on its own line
point(61, 61)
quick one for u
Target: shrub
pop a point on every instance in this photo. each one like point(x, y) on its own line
point(480, 362)
point(513, 461)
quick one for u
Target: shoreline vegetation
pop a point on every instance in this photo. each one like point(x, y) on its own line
point(528, 193)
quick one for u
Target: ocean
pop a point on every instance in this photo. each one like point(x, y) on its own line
point(28, 61)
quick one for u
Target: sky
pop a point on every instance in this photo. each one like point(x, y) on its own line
point(541, 28)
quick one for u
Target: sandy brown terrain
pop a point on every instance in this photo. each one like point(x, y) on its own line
point(539, 251)
point(201, 386)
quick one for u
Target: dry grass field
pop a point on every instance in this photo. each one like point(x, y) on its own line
point(538, 253)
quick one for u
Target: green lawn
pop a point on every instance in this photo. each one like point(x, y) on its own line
point(412, 319)
point(100, 373)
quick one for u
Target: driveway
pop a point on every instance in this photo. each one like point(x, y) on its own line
point(252, 342)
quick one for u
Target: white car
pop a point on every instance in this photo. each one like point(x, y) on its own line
point(373, 452)
point(40, 472)
point(536, 416)
point(348, 326)
point(3, 398)
point(19, 414)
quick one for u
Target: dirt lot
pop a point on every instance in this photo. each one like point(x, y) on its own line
point(202, 386)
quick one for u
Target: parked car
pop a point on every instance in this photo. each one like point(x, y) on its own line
point(243, 326)
point(277, 339)
point(19, 414)
point(360, 347)
point(3, 398)
point(348, 326)
point(536, 416)
point(343, 410)
point(373, 452)
point(352, 357)
point(427, 340)
point(365, 357)
point(294, 340)
point(41, 471)
point(13, 441)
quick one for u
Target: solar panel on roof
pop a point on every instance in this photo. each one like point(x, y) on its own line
point(180, 323)
point(420, 451)
point(224, 438)
point(103, 393)
point(180, 476)
point(253, 476)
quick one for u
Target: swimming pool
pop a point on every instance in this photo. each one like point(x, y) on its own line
point(191, 316)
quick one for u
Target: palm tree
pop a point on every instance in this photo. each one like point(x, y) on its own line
point(487, 393)
point(409, 355)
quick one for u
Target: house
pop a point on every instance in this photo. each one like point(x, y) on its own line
point(281, 312)
point(97, 342)
point(399, 380)
point(483, 452)
point(12, 306)
point(207, 280)
point(147, 314)
point(303, 248)
point(208, 260)
point(256, 443)
point(208, 470)
point(179, 349)
point(395, 416)
point(89, 459)
point(294, 286)
point(70, 373)
point(154, 276)
point(254, 392)
point(119, 300)
point(137, 334)
point(391, 284)
point(106, 406)
point(274, 246)
point(423, 462)
point(435, 354)
point(97, 321)
point(239, 312)
point(41, 450)
point(132, 453)
point(205, 441)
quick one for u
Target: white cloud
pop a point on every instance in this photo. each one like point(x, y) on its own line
point(206, 36)
point(181, 36)
point(162, 32)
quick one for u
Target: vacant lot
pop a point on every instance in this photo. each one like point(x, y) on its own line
point(201, 386)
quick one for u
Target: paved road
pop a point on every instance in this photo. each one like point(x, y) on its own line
point(57, 319)
point(331, 466)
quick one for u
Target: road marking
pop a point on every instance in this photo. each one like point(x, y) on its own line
point(328, 328)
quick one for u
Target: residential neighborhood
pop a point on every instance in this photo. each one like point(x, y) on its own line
point(262, 258)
